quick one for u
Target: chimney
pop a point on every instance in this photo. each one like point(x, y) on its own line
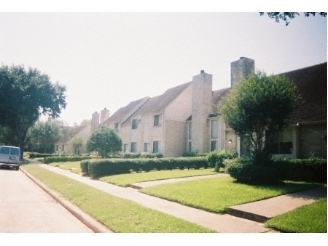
point(94, 121)
point(201, 108)
point(241, 69)
point(104, 115)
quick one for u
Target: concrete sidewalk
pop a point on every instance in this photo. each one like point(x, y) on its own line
point(247, 218)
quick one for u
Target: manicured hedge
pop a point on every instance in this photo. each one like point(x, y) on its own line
point(34, 155)
point(98, 168)
point(308, 170)
point(311, 170)
point(52, 159)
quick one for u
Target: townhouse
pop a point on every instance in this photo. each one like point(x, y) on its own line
point(185, 118)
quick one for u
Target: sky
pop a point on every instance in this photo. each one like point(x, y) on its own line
point(108, 57)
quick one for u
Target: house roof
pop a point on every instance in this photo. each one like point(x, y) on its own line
point(312, 85)
point(127, 111)
point(71, 133)
point(162, 101)
point(219, 94)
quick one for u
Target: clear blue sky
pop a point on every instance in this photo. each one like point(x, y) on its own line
point(109, 59)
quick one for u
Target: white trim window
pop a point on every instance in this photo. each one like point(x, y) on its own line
point(214, 135)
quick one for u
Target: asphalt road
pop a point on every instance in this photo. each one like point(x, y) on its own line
point(26, 208)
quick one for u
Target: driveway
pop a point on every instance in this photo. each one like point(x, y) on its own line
point(25, 207)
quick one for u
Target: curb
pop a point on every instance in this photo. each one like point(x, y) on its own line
point(86, 219)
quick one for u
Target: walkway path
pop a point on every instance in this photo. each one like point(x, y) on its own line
point(220, 223)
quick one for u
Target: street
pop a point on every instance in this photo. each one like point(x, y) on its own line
point(26, 208)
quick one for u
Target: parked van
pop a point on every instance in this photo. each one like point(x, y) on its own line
point(9, 157)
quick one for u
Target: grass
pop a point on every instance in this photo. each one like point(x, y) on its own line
point(73, 166)
point(217, 194)
point(118, 214)
point(130, 178)
point(301, 219)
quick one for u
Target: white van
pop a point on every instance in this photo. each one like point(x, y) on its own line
point(9, 157)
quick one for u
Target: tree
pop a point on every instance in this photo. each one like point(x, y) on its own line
point(43, 135)
point(77, 145)
point(25, 94)
point(256, 108)
point(287, 16)
point(105, 141)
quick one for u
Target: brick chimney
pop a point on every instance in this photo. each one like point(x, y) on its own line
point(95, 121)
point(201, 108)
point(104, 115)
point(240, 69)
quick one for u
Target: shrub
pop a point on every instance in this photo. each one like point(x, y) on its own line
point(310, 170)
point(34, 155)
point(98, 168)
point(52, 159)
point(194, 154)
point(243, 170)
point(150, 155)
point(130, 155)
point(307, 170)
point(216, 159)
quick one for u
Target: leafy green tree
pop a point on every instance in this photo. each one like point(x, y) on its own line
point(256, 108)
point(105, 141)
point(287, 16)
point(43, 135)
point(25, 94)
point(77, 144)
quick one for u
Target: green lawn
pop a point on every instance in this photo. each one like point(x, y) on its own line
point(130, 178)
point(217, 194)
point(73, 166)
point(118, 214)
point(311, 218)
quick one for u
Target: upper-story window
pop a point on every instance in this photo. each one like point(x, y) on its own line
point(157, 120)
point(116, 126)
point(134, 123)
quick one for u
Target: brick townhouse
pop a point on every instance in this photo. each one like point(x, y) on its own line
point(185, 119)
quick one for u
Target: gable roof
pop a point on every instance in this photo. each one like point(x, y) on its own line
point(160, 102)
point(312, 85)
point(71, 134)
point(125, 112)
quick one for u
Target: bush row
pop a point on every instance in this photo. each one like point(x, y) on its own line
point(34, 155)
point(98, 168)
point(130, 155)
point(308, 170)
point(52, 159)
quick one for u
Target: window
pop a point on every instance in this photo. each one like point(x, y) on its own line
point(214, 145)
point(157, 120)
point(156, 147)
point(125, 147)
point(133, 147)
point(282, 148)
point(134, 123)
point(116, 126)
point(214, 129)
point(189, 130)
point(4, 150)
point(189, 147)
point(145, 149)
